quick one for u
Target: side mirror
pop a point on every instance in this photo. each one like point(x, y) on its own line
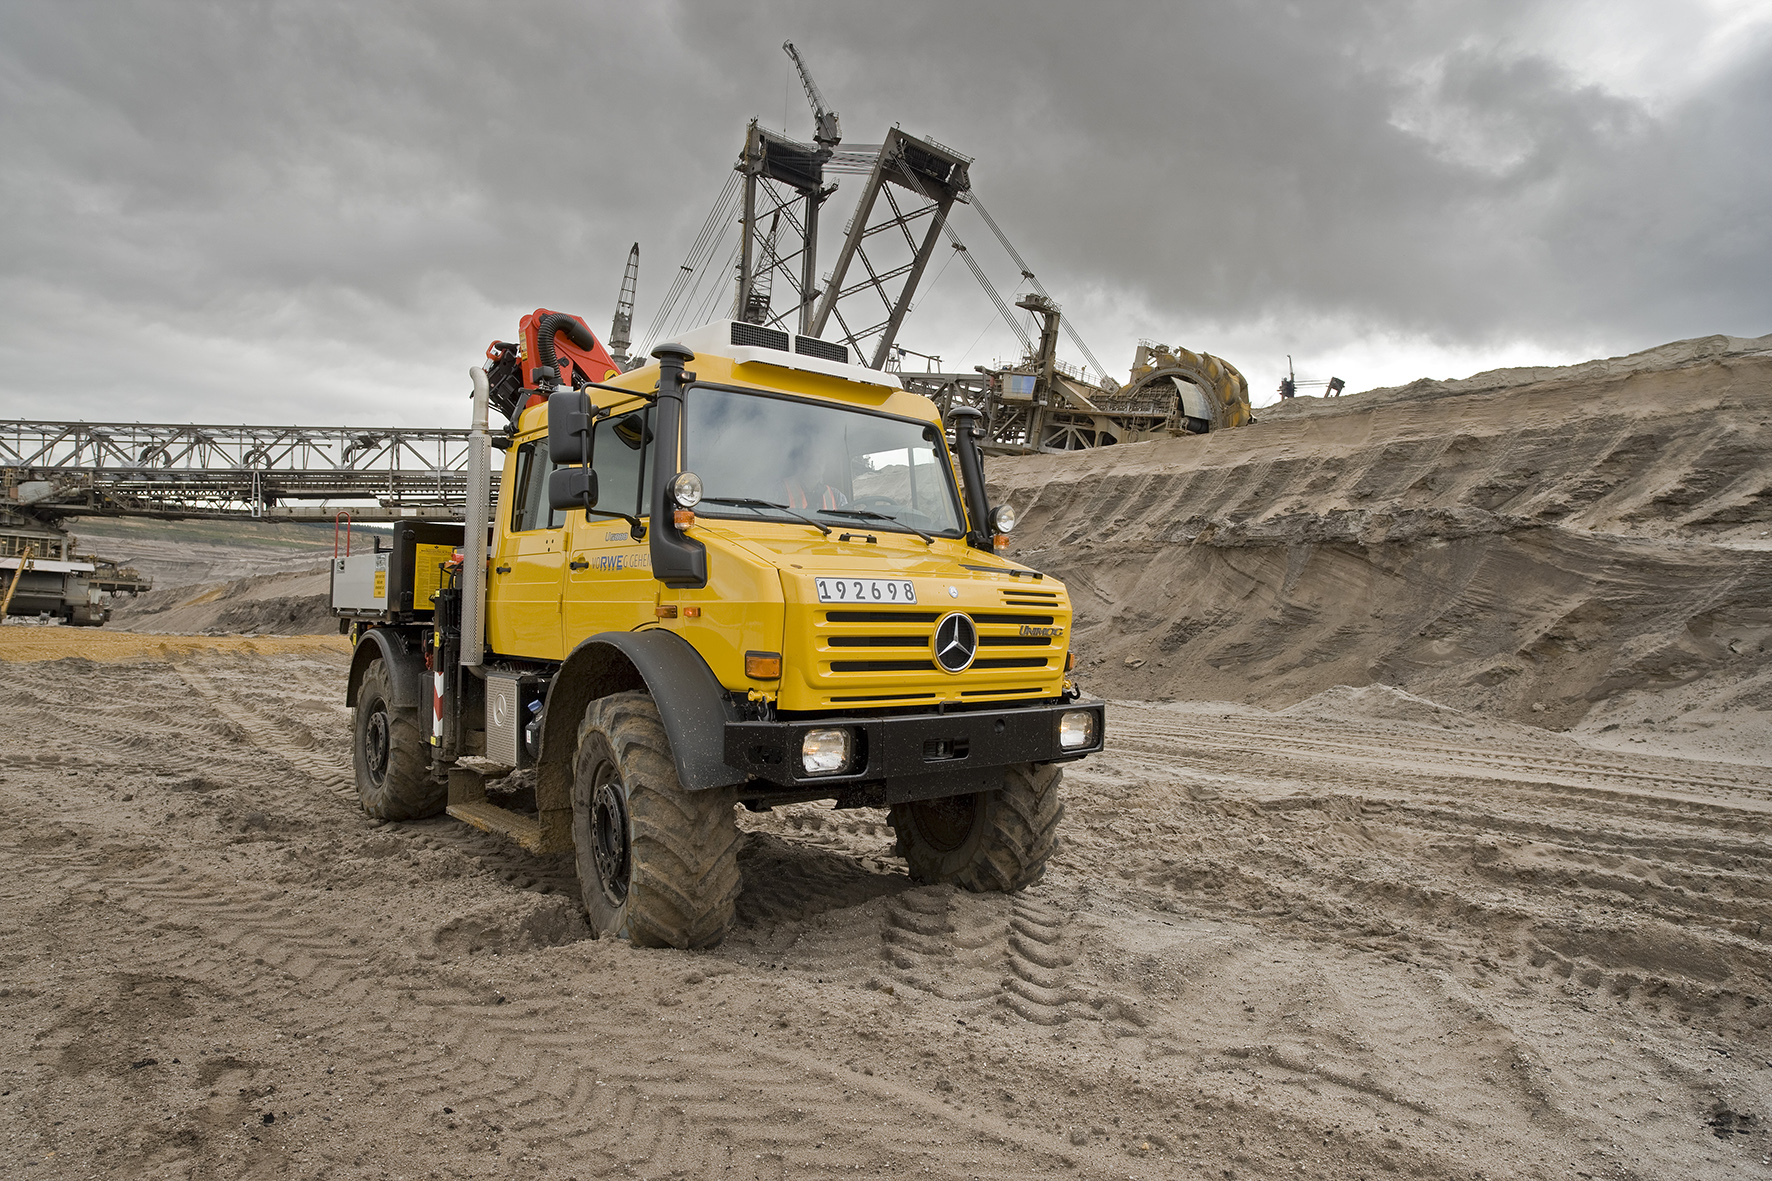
point(569, 427)
point(571, 487)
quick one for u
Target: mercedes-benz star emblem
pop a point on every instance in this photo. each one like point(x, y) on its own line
point(956, 642)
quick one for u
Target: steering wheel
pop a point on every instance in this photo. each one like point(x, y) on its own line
point(879, 504)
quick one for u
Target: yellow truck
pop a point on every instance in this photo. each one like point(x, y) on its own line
point(749, 572)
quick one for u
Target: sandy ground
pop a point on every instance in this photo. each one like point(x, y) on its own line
point(1361, 938)
point(1431, 841)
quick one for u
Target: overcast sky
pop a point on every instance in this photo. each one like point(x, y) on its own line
point(321, 213)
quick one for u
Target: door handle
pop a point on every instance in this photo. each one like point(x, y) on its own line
point(502, 570)
point(580, 563)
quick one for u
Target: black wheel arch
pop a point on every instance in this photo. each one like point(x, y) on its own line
point(690, 699)
point(405, 662)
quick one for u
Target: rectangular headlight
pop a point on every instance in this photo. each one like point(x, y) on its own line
point(825, 752)
point(1076, 729)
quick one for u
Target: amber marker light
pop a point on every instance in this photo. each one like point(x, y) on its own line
point(763, 666)
point(682, 518)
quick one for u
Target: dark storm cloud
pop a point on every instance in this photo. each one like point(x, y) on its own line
point(322, 212)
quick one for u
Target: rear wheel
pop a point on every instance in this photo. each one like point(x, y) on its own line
point(393, 774)
point(992, 840)
point(655, 862)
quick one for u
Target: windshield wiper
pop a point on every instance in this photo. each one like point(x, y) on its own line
point(870, 515)
point(752, 502)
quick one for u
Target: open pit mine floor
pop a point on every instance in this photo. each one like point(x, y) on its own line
point(1313, 943)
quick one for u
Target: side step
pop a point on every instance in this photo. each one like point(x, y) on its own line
point(525, 830)
point(468, 803)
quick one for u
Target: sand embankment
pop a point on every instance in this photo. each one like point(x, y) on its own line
point(293, 603)
point(1587, 548)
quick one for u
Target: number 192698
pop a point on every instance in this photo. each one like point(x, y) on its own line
point(865, 590)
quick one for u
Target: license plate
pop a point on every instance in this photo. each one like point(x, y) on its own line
point(865, 590)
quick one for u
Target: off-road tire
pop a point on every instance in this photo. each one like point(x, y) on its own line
point(672, 879)
point(388, 750)
point(995, 840)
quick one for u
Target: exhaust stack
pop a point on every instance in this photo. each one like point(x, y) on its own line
point(473, 565)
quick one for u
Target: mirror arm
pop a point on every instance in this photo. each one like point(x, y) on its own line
point(636, 527)
point(647, 396)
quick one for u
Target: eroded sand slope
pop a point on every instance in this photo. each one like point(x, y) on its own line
point(1592, 546)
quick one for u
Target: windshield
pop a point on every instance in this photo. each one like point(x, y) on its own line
point(837, 465)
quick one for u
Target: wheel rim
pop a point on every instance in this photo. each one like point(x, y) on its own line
point(609, 836)
point(945, 824)
point(376, 743)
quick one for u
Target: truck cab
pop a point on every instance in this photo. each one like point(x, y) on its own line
point(751, 573)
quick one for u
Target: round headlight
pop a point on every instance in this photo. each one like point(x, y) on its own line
point(1003, 518)
point(686, 489)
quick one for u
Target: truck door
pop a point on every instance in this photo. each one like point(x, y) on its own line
point(609, 584)
point(523, 594)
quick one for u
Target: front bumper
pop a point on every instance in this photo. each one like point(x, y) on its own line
point(955, 751)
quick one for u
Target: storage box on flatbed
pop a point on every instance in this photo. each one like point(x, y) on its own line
point(395, 585)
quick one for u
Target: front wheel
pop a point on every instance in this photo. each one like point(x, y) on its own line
point(655, 862)
point(393, 773)
point(992, 840)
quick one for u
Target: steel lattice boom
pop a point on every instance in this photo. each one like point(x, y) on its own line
point(173, 470)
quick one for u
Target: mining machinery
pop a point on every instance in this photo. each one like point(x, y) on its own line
point(901, 216)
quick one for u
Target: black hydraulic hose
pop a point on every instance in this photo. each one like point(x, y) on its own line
point(554, 322)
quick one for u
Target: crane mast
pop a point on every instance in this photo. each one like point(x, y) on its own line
point(829, 132)
point(622, 329)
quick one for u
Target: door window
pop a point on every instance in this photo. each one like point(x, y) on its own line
point(623, 447)
point(529, 502)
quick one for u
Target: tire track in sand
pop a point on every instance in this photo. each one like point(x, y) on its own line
point(550, 1073)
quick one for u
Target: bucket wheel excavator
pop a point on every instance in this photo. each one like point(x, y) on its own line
point(1209, 393)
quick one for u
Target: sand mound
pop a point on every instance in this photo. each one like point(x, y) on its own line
point(1532, 547)
point(189, 553)
point(267, 604)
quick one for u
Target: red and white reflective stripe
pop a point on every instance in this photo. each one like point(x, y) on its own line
point(437, 708)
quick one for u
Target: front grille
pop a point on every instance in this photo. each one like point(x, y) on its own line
point(1016, 597)
point(811, 346)
point(879, 641)
point(759, 337)
point(881, 616)
point(884, 655)
point(884, 666)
